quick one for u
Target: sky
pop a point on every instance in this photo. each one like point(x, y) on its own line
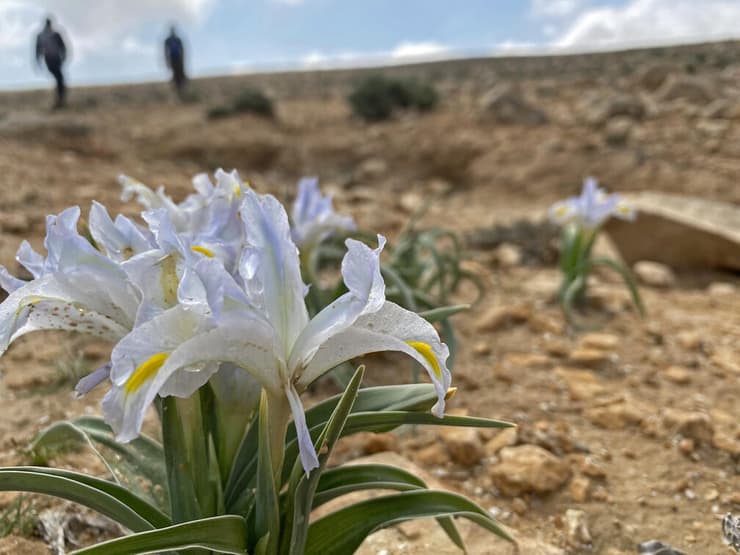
point(119, 41)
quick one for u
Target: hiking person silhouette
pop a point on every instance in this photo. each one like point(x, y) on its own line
point(174, 56)
point(50, 46)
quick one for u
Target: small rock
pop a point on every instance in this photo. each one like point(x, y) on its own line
point(14, 222)
point(677, 375)
point(482, 349)
point(617, 415)
point(695, 90)
point(463, 444)
point(654, 274)
point(519, 506)
point(528, 469)
point(508, 255)
point(721, 289)
point(727, 360)
point(556, 347)
point(432, 455)
point(378, 443)
point(599, 341)
point(618, 130)
point(591, 358)
point(654, 547)
point(579, 488)
point(689, 340)
point(542, 323)
point(505, 438)
point(690, 424)
point(526, 360)
point(726, 443)
point(600, 494)
point(500, 317)
point(411, 202)
point(372, 168)
point(581, 384)
point(577, 528)
point(591, 467)
point(687, 446)
point(507, 105)
point(651, 77)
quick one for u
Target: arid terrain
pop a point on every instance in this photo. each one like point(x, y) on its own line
point(635, 423)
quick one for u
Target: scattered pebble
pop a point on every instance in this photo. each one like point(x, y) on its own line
point(528, 469)
point(654, 274)
point(577, 528)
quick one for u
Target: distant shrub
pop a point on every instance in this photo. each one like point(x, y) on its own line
point(218, 112)
point(253, 101)
point(249, 100)
point(377, 97)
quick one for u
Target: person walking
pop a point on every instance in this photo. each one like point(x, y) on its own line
point(50, 46)
point(174, 56)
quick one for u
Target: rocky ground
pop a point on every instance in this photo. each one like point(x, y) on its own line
point(627, 432)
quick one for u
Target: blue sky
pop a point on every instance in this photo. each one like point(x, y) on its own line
point(115, 40)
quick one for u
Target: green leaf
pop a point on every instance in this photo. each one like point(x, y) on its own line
point(443, 312)
point(303, 488)
point(240, 484)
point(343, 531)
point(223, 534)
point(572, 291)
point(267, 508)
point(183, 497)
point(393, 278)
point(626, 277)
point(141, 458)
point(107, 498)
point(385, 421)
point(145, 509)
point(343, 480)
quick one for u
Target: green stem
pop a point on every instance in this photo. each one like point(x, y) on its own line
point(278, 415)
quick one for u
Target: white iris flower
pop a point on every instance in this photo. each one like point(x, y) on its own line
point(313, 216)
point(592, 208)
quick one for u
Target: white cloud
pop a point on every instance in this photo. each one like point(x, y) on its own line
point(314, 59)
point(289, 2)
point(418, 50)
point(555, 8)
point(653, 22)
point(92, 25)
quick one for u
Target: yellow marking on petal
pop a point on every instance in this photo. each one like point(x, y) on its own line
point(168, 280)
point(144, 372)
point(425, 350)
point(203, 250)
point(238, 190)
point(624, 209)
point(450, 393)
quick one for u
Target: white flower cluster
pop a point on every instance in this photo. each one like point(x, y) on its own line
point(210, 290)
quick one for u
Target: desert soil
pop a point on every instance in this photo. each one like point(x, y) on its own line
point(634, 423)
